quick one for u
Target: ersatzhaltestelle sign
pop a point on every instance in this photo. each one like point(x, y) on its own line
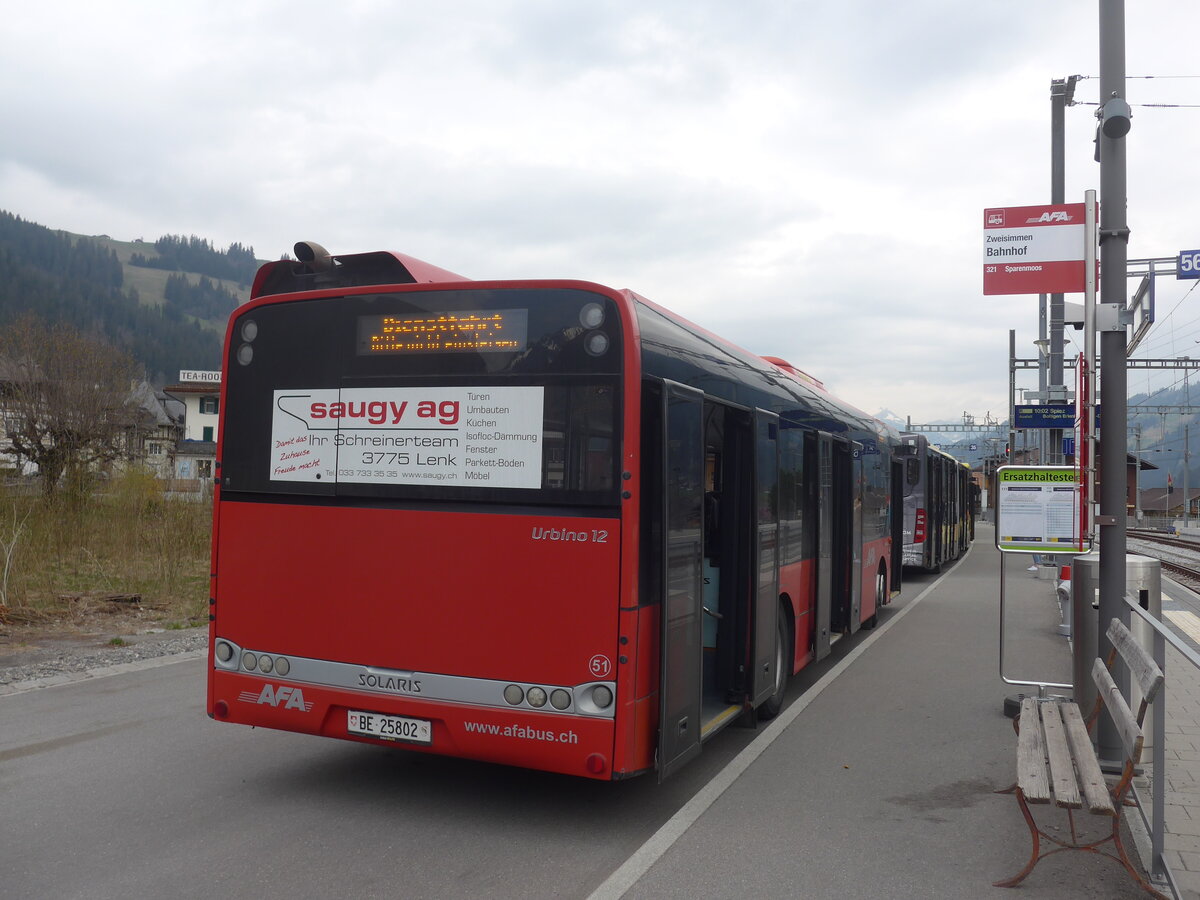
point(482, 437)
point(1037, 510)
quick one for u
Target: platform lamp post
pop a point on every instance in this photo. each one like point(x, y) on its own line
point(1062, 95)
point(1051, 453)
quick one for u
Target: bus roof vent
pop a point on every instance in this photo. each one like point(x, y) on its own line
point(794, 372)
point(316, 269)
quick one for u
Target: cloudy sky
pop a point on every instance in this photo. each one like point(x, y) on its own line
point(806, 179)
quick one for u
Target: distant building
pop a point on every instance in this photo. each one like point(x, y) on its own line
point(200, 393)
point(146, 434)
point(196, 454)
point(149, 432)
point(1133, 467)
point(1160, 502)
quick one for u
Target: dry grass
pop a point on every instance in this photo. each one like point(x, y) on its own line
point(67, 559)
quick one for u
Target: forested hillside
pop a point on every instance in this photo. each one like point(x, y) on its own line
point(164, 303)
point(176, 253)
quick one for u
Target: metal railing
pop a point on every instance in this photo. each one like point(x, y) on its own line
point(1162, 636)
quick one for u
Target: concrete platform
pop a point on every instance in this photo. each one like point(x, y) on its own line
point(878, 780)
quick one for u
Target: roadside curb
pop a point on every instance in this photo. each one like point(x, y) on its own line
point(34, 684)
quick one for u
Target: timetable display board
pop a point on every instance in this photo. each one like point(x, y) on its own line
point(1037, 510)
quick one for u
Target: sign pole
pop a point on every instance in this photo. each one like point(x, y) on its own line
point(1062, 93)
point(1012, 396)
point(1089, 359)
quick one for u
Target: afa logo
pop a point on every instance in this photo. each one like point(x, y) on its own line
point(288, 697)
point(1058, 217)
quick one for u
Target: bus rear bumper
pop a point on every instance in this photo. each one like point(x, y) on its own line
point(570, 744)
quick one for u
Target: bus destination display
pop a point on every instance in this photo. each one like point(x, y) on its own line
point(464, 436)
point(467, 331)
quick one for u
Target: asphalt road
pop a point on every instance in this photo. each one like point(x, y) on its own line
point(122, 787)
point(881, 786)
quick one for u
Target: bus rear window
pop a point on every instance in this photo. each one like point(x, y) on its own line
point(437, 410)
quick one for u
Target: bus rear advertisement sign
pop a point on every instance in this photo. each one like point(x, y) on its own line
point(483, 437)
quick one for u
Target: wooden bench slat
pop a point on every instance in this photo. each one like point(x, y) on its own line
point(1031, 755)
point(1091, 779)
point(1062, 772)
point(1054, 750)
point(1126, 724)
point(1141, 665)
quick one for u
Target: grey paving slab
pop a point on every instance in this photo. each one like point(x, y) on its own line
point(884, 784)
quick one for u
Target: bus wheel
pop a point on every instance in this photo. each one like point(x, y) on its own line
point(783, 669)
point(880, 598)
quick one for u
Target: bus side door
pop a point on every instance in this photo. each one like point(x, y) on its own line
point(824, 527)
point(681, 685)
point(855, 552)
point(896, 525)
point(766, 552)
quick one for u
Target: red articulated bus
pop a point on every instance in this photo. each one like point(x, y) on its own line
point(541, 523)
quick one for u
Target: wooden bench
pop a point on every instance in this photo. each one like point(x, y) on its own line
point(1057, 762)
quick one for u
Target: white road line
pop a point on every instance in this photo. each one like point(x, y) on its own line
point(625, 877)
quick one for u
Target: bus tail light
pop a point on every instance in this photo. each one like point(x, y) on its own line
point(596, 343)
point(919, 530)
point(592, 315)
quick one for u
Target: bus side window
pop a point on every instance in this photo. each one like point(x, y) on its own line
point(712, 504)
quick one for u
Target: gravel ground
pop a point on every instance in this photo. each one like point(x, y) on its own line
point(55, 660)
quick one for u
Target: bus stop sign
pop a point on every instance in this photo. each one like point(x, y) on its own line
point(1034, 249)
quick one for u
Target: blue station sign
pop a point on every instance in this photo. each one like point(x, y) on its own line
point(1188, 264)
point(1044, 416)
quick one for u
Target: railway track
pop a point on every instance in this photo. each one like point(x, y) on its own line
point(1182, 566)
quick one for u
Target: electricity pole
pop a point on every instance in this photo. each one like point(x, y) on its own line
point(1114, 115)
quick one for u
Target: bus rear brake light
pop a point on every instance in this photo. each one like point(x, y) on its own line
point(592, 315)
point(596, 343)
point(919, 530)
